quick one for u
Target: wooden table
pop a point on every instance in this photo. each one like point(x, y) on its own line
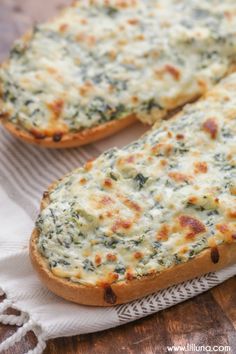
point(208, 319)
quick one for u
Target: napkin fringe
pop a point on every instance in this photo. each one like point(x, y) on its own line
point(25, 325)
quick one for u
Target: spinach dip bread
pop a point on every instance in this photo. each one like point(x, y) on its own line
point(154, 213)
point(101, 64)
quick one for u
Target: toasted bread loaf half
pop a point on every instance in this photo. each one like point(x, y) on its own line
point(95, 67)
point(155, 213)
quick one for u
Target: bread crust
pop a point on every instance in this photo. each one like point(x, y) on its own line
point(70, 140)
point(128, 290)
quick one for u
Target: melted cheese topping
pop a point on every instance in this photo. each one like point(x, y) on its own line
point(158, 202)
point(104, 59)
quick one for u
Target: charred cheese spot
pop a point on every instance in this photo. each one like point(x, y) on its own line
point(111, 257)
point(180, 177)
point(196, 226)
point(193, 200)
point(106, 200)
point(88, 166)
point(223, 228)
point(113, 277)
point(202, 84)
point(227, 231)
point(163, 233)
point(183, 250)
point(138, 255)
point(200, 167)
point(56, 107)
point(121, 224)
point(133, 21)
point(163, 163)
point(51, 70)
point(108, 183)
point(135, 99)
point(168, 69)
point(98, 259)
point(210, 126)
point(63, 27)
point(173, 71)
point(162, 149)
point(86, 89)
point(232, 213)
point(132, 205)
point(126, 160)
point(83, 181)
point(112, 55)
point(179, 136)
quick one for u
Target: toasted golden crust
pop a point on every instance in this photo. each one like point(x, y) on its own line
point(70, 140)
point(125, 291)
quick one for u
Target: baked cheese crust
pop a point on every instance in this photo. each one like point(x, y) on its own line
point(149, 208)
point(101, 61)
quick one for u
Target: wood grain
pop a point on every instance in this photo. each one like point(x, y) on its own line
point(208, 319)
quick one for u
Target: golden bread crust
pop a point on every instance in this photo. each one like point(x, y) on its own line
point(70, 140)
point(125, 291)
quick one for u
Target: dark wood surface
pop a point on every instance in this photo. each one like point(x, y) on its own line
point(208, 319)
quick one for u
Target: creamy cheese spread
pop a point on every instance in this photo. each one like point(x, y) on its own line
point(158, 202)
point(104, 59)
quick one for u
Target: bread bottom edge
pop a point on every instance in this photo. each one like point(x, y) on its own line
point(71, 140)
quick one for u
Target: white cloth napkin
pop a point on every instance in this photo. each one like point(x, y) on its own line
point(25, 172)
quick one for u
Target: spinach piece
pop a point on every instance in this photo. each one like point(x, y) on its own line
point(53, 264)
point(111, 242)
point(111, 11)
point(140, 180)
point(63, 262)
point(177, 259)
point(119, 110)
point(157, 244)
point(88, 265)
point(120, 269)
point(113, 176)
point(150, 104)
